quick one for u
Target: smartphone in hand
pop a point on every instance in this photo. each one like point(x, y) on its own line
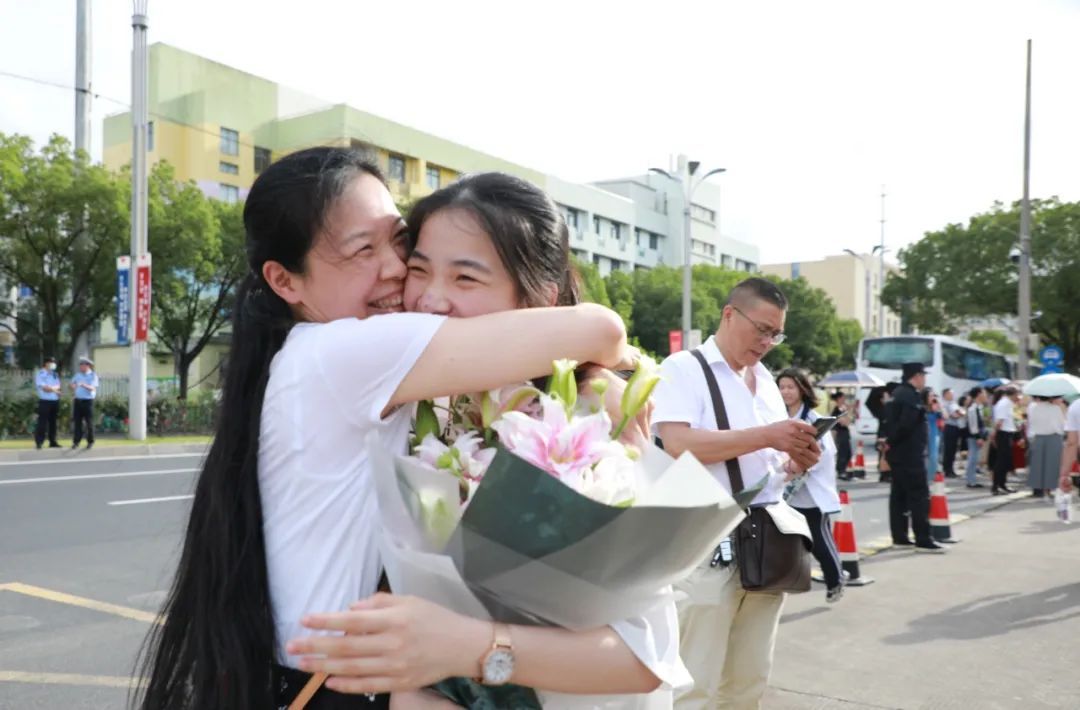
point(824, 425)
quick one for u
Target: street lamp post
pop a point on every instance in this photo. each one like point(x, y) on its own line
point(139, 119)
point(687, 171)
point(1025, 238)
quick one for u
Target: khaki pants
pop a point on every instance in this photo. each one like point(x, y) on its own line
point(727, 640)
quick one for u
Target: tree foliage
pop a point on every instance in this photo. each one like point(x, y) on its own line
point(63, 222)
point(650, 302)
point(964, 271)
point(198, 249)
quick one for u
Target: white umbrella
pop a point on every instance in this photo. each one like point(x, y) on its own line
point(1054, 385)
point(851, 378)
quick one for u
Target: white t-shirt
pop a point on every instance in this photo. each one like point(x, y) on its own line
point(950, 414)
point(683, 396)
point(1003, 412)
point(819, 491)
point(1045, 418)
point(328, 386)
point(1072, 417)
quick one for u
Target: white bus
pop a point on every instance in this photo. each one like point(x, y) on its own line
point(951, 363)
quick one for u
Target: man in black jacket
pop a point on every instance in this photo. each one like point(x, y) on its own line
point(907, 439)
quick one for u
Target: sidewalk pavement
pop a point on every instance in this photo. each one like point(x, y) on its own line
point(993, 624)
point(101, 450)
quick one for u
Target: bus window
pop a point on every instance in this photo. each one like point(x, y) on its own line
point(968, 364)
point(892, 353)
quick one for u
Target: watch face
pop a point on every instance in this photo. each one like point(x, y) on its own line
point(498, 666)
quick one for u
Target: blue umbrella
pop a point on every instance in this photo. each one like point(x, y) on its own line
point(993, 383)
point(851, 378)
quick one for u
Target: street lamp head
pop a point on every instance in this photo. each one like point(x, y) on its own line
point(665, 173)
point(714, 171)
point(694, 165)
point(848, 251)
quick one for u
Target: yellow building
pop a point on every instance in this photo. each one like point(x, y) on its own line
point(220, 127)
point(852, 282)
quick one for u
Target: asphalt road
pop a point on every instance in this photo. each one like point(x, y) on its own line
point(73, 535)
point(87, 550)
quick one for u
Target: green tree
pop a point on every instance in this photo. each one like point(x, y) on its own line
point(620, 289)
point(657, 302)
point(593, 289)
point(814, 340)
point(63, 222)
point(994, 340)
point(964, 271)
point(198, 249)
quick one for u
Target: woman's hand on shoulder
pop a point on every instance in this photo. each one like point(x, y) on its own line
point(392, 643)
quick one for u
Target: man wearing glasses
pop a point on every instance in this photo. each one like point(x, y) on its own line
point(727, 634)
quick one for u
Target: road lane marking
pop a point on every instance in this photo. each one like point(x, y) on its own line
point(79, 459)
point(106, 681)
point(72, 600)
point(92, 476)
point(137, 501)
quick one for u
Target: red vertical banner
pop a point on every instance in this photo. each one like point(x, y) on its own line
point(675, 340)
point(142, 298)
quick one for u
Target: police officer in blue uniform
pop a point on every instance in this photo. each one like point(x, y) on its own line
point(48, 390)
point(85, 386)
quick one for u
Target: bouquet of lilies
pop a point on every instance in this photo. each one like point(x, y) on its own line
point(524, 506)
point(567, 434)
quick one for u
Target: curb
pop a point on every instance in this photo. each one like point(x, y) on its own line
point(66, 454)
point(885, 543)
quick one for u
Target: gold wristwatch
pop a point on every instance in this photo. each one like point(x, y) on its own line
point(497, 665)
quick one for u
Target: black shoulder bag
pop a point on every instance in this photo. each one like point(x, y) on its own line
point(768, 559)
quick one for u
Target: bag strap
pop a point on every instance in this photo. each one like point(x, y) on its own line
point(308, 691)
point(722, 424)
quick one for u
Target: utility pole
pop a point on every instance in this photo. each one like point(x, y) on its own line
point(82, 75)
point(139, 118)
point(1025, 237)
point(881, 270)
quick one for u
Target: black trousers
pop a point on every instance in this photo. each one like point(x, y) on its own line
point(843, 452)
point(83, 413)
point(909, 492)
point(46, 420)
point(288, 682)
point(952, 440)
point(1003, 441)
point(825, 551)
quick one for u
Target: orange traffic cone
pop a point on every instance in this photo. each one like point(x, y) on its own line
point(844, 535)
point(940, 529)
point(857, 466)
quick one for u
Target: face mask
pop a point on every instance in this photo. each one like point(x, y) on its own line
point(51, 366)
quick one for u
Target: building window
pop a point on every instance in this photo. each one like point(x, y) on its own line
point(229, 168)
point(433, 178)
point(262, 159)
point(150, 137)
point(702, 213)
point(615, 231)
point(230, 141)
point(397, 168)
point(596, 224)
point(654, 241)
point(571, 216)
point(230, 193)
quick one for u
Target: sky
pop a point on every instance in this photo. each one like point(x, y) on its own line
point(810, 106)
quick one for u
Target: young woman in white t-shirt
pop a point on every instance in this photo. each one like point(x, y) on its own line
point(492, 242)
point(284, 520)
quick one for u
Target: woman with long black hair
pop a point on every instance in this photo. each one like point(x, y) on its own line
point(815, 495)
point(284, 519)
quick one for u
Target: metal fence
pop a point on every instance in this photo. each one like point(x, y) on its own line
point(19, 383)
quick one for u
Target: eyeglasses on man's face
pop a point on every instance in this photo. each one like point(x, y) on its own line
point(774, 337)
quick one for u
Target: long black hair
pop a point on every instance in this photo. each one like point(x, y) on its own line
point(525, 226)
point(216, 645)
point(807, 395)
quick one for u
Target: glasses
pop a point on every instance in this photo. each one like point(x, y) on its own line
point(775, 337)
